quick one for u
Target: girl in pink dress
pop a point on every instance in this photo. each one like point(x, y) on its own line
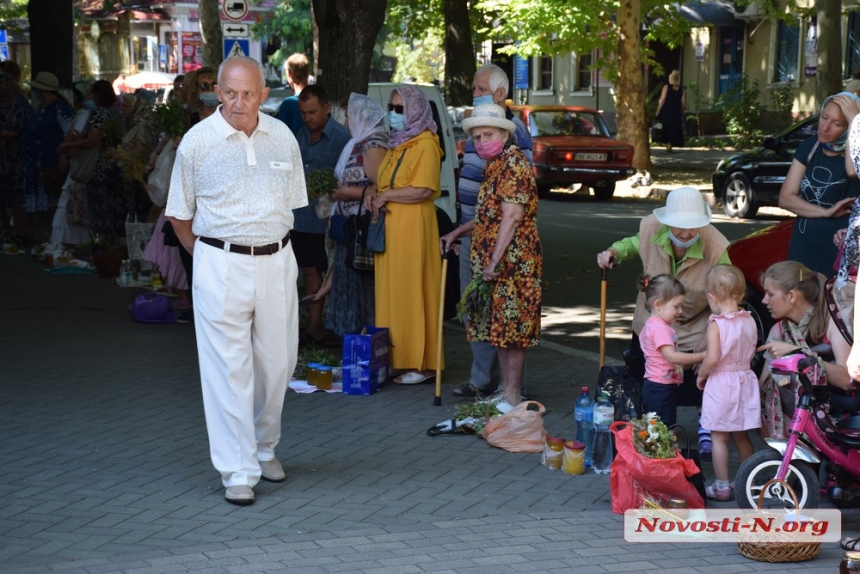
point(731, 404)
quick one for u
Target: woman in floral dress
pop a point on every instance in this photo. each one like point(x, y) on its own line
point(506, 249)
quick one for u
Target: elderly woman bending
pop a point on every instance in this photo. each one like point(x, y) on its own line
point(506, 249)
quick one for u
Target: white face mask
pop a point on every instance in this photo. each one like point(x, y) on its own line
point(683, 244)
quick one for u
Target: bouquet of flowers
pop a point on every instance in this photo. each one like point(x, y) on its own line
point(652, 438)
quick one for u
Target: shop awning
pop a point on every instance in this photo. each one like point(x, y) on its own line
point(712, 13)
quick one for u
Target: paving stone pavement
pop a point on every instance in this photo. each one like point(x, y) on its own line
point(104, 464)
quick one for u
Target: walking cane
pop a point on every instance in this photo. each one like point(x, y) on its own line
point(437, 401)
point(604, 280)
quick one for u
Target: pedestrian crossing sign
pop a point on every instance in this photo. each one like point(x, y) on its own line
point(236, 47)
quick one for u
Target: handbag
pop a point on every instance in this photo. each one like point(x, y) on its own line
point(83, 164)
point(358, 256)
point(158, 182)
point(137, 235)
point(376, 233)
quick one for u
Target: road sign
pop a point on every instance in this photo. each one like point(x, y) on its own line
point(4, 52)
point(235, 30)
point(2, 35)
point(236, 47)
point(235, 9)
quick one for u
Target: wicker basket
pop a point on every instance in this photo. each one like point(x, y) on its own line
point(777, 546)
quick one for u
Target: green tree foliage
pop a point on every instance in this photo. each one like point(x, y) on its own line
point(292, 25)
point(10, 9)
point(741, 110)
point(420, 61)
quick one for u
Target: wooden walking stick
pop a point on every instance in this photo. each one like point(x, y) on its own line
point(604, 279)
point(437, 401)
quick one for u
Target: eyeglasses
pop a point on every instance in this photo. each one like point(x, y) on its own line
point(205, 86)
point(395, 108)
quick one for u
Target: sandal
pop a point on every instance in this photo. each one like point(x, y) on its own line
point(850, 544)
point(414, 377)
point(468, 390)
point(718, 494)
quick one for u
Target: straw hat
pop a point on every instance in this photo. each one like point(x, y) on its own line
point(488, 115)
point(685, 209)
point(46, 81)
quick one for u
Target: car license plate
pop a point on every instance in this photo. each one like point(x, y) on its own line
point(590, 157)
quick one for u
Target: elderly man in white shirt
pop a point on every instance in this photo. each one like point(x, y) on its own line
point(238, 176)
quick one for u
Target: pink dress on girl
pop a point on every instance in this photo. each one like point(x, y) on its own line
point(731, 400)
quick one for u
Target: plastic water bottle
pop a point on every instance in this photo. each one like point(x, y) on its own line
point(604, 415)
point(585, 423)
point(125, 277)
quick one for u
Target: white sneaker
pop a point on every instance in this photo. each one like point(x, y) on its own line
point(504, 406)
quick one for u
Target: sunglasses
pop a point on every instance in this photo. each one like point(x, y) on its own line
point(395, 108)
point(205, 87)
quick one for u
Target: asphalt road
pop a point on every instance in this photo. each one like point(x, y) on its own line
point(573, 230)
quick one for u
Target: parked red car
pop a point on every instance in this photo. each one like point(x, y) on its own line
point(571, 144)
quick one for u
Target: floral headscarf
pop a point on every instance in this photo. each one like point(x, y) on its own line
point(365, 118)
point(417, 115)
point(838, 145)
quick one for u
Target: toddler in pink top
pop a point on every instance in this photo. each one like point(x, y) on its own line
point(664, 296)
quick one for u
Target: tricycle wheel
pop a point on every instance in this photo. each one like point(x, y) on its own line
point(762, 467)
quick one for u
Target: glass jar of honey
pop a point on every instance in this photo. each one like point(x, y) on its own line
point(325, 378)
point(313, 373)
point(574, 457)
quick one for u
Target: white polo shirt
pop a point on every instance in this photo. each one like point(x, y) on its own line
point(237, 188)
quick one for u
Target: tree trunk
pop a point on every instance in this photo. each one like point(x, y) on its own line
point(630, 101)
point(829, 33)
point(347, 35)
point(52, 36)
point(460, 53)
point(211, 34)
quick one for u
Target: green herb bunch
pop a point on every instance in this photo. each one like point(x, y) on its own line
point(321, 182)
point(476, 299)
point(313, 354)
point(651, 437)
point(172, 118)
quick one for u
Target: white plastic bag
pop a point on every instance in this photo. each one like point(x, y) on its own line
point(137, 235)
point(158, 182)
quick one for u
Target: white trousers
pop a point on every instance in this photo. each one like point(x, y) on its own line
point(247, 323)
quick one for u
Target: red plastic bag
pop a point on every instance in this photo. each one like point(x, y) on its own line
point(519, 430)
point(633, 477)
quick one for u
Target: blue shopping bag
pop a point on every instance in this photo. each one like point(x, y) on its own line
point(365, 360)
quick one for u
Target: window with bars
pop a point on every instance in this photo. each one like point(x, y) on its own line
point(583, 81)
point(786, 63)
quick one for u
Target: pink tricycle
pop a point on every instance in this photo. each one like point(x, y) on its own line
point(821, 448)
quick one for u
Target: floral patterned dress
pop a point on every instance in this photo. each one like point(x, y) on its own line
point(514, 317)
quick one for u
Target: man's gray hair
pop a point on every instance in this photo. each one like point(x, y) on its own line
point(245, 60)
point(498, 78)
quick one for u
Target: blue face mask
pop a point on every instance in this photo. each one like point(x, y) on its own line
point(89, 105)
point(209, 99)
point(395, 120)
point(480, 100)
point(683, 244)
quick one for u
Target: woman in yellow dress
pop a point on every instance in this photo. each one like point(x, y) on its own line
point(408, 273)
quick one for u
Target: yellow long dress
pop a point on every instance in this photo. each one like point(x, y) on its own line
point(408, 273)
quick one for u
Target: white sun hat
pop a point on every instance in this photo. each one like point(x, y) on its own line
point(685, 209)
point(488, 115)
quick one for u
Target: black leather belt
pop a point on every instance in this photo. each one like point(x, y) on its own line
point(246, 249)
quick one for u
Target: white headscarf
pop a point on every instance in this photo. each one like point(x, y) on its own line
point(364, 117)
